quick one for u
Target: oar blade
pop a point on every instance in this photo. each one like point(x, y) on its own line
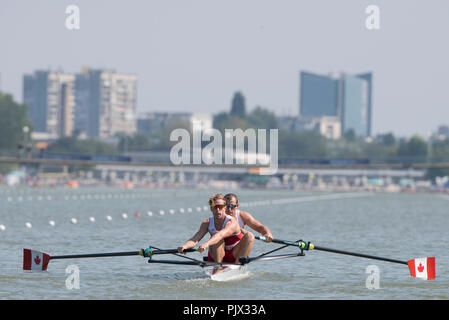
point(423, 268)
point(35, 260)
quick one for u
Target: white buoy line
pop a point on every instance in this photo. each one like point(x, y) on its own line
point(99, 196)
point(125, 216)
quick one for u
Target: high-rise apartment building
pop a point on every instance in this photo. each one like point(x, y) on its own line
point(98, 103)
point(105, 103)
point(347, 97)
point(50, 100)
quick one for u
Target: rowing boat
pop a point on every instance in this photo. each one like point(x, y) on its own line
point(423, 268)
point(227, 273)
point(223, 271)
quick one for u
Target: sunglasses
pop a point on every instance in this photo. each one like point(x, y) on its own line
point(232, 206)
point(219, 207)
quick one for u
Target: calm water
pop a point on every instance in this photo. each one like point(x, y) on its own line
point(399, 226)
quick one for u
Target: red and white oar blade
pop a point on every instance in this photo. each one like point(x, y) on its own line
point(423, 268)
point(35, 260)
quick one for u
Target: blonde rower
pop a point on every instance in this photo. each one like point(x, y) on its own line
point(227, 243)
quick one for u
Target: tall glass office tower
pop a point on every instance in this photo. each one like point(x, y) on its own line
point(347, 97)
point(319, 95)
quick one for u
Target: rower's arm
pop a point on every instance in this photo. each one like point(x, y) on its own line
point(197, 237)
point(230, 228)
point(249, 220)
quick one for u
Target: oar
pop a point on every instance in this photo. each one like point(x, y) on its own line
point(180, 255)
point(419, 267)
point(277, 249)
point(244, 260)
point(36, 260)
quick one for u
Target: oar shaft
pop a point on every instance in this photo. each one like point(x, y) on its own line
point(119, 254)
point(358, 254)
point(264, 258)
point(314, 247)
point(190, 263)
point(97, 255)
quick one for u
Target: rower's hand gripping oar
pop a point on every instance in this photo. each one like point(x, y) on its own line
point(301, 244)
point(148, 252)
point(36, 260)
point(423, 268)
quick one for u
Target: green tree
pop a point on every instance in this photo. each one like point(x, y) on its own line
point(440, 150)
point(261, 118)
point(220, 120)
point(13, 118)
point(349, 135)
point(345, 147)
point(72, 145)
point(378, 151)
point(415, 148)
point(305, 144)
point(232, 122)
point(388, 139)
point(163, 142)
point(238, 105)
point(137, 142)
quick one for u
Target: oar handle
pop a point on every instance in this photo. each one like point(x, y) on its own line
point(300, 244)
point(290, 243)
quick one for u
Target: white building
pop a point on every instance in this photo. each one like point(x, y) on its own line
point(327, 126)
point(150, 123)
point(330, 127)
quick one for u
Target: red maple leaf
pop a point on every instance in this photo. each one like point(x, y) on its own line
point(420, 267)
point(37, 260)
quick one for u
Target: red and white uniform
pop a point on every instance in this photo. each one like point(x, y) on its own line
point(230, 242)
point(239, 219)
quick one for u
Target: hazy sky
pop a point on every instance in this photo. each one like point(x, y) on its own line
point(194, 54)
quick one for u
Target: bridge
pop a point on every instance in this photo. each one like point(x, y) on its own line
point(405, 169)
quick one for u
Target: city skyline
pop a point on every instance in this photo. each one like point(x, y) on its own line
point(193, 56)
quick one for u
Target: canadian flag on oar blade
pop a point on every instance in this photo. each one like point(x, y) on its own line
point(423, 268)
point(35, 260)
